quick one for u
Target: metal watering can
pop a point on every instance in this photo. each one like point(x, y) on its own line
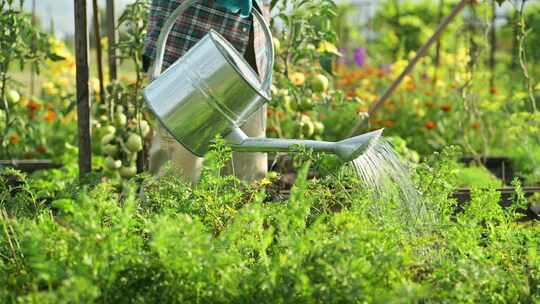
point(212, 91)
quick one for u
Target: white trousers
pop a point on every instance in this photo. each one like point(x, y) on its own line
point(245, 166)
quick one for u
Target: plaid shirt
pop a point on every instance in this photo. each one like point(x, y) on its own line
point(195, 23)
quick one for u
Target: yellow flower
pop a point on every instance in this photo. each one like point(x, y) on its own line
point(328, 47)
point(366, 82)
point(297, 78)
point(398, 67)
point(49, 88)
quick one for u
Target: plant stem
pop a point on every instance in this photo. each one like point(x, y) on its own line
point(523, 60)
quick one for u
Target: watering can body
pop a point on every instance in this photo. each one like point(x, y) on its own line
point(203, 94)
point(211, 91)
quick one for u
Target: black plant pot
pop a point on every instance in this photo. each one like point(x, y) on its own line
point(499, 166)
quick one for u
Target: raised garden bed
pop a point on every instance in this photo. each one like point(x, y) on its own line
point(30, 166)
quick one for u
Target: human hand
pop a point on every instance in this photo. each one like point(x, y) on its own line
point(235, 6)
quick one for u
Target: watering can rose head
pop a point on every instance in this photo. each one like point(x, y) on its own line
point(235, 6)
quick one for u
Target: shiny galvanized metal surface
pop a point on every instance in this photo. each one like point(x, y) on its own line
point(208, 91)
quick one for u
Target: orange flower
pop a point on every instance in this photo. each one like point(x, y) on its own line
point(41, 149)
point(476, 125)
point(428, 93)
point(446, 108)
point(351, 94)
point(493, 91)
point(33, 106)
point(14, 139)
point(430, 125)
point(50, 116)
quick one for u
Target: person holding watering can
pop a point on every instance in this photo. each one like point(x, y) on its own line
point(234, 21)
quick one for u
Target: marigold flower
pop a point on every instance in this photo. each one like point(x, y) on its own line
point(328, 47)
point(351, 94)
point(14, 139)
point(476, 125)
point(41, 149)
point(430, 125)
point(50, 116)
point(493, 91)
point(297, 78)
point(33, 106)
point(446, 108)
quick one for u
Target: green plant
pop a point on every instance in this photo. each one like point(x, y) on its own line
point(23, 44)
point(221, 241)
point(122, 127)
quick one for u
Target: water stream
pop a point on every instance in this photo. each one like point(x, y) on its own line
point(381, 170)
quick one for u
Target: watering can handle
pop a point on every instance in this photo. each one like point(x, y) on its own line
point(169, 23)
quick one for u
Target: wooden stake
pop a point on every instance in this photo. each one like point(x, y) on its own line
point(111, 34)
point(99, 51)
point(83, 96)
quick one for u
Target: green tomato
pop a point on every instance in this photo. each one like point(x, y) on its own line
point(112, 164)
point(128, 172)
point(108, 130)
point(13, 96)
point(319, 83)
point(120, 119)
point(319, 127)
point(145, 128)
point(134, 143)
point(308, 129)
point(105, 140)
point(306, 104)
point(288, 103)
point(110, 149)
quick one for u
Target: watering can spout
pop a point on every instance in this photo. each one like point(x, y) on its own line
point(348, 149)
point(351, 148)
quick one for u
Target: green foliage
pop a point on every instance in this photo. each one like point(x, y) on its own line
point(214, 242)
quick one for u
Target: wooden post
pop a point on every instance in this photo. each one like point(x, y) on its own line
point(439, 42)
point(32, 69)
point(493, 43)
point(111, 34)
point(99, 51)
point(83, 96)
